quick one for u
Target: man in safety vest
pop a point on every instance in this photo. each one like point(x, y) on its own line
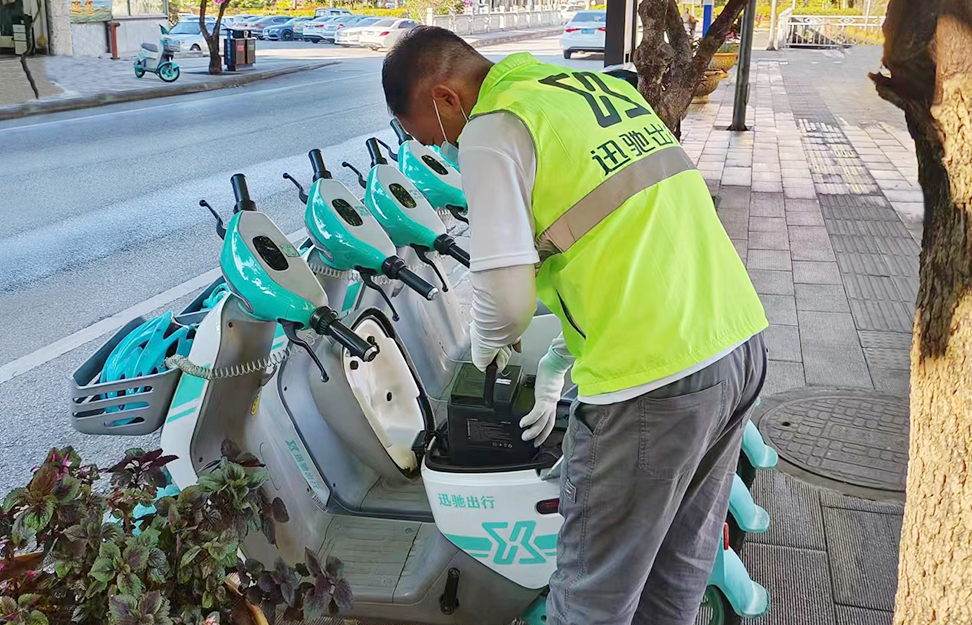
point(580, 195)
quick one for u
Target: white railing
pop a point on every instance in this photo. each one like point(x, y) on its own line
point(469, 24)
point(826, 31)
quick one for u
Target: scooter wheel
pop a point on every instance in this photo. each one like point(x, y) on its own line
point(715, 609)
point(139, 71)
point(169, 72)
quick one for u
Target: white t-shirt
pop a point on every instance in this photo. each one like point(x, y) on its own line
point(499, 166)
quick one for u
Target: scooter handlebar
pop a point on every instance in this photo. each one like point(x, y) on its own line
point(444, 244)
point(377, 158)
point(400, 131)
point(325, 322)
point(396, 269)
point(241, 193)
point(417, 284)
point(317, 163)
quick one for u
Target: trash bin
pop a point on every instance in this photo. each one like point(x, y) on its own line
point(239, 50)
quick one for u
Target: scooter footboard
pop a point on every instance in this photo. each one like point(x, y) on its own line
point(507, 520)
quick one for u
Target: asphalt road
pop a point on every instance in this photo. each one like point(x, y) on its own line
point(100, 213)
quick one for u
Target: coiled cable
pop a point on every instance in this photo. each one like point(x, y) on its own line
point(233, 371)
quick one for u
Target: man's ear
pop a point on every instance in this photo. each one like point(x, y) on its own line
point(446, 95)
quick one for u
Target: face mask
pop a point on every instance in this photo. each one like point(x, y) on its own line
point(447, 149)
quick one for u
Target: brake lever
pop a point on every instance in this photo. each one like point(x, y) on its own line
point(367, 278)
point(391, 153)
point(300, 189)
point(422, 253)
point(361, 180)
point(457, 213)
point(290, 329)
point(220, 228)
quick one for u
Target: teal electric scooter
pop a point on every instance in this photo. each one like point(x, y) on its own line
point(346, 237)
point(265, 271)
point(404, 212)
point(433, 174)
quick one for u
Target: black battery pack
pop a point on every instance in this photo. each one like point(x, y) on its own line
point(484, 417)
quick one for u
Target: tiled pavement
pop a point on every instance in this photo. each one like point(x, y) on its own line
point(822, 202)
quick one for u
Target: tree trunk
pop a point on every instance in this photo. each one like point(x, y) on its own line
point(667, 70)
point(927, 46)
point(212, 40)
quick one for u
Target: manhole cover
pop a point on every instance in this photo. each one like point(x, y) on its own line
point(853, 437)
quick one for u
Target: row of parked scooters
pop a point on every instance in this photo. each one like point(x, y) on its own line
point(341, 361)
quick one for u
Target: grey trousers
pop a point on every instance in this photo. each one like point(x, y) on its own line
point(644, 496)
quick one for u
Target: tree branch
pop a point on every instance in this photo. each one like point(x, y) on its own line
point(716, 36)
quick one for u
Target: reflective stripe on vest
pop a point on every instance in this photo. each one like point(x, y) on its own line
point(607, 197)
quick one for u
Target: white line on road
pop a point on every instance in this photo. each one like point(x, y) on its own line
point(72, 341)
point(182, 103)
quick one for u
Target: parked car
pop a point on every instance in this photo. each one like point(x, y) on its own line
point(186, 36)
point(247, 22)
point(332, 28)
point(384, 33)
point(584, 33)
point(569, 9)
point(314, 30)
point(267, 22)
point(351, 35)
point(331, 12)
point(285, 31)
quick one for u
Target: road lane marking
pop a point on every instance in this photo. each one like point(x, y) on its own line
point(58, 348)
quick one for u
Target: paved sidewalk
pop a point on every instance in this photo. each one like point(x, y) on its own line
point(67, 82)
point(822, 202)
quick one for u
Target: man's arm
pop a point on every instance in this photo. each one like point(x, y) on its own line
point(499, 159)
point(504, 301)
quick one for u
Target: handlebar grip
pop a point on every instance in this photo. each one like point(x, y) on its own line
point(317, 163)
point(347, 337)
point(325, 322)
point(375, 152)
point(444, 244)
point(413, 281)
point(241, 193)
point(400, 131)
point(459, 254)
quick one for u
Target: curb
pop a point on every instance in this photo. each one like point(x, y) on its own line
point(482, 43)
point(101, 99)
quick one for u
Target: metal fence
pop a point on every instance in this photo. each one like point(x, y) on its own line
point(468, 24)
point(827, 31)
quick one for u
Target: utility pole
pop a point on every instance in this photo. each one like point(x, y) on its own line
point(742, 72)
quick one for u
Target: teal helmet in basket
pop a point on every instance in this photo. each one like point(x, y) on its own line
point(143, 352)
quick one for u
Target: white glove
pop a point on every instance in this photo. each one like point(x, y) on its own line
point(551, 373)
point(483, 355)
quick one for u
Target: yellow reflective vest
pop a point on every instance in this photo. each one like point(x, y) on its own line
point(634, 259)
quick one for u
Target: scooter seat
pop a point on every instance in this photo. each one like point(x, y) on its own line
point(151, 47)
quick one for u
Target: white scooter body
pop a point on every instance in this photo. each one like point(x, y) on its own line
point(340, 457)
point(150, 56)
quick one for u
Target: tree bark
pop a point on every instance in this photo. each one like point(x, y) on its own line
point(668, 71)
point(212, 40)
point(927, 46)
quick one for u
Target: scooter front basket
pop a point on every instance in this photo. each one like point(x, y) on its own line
point(131, 407)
